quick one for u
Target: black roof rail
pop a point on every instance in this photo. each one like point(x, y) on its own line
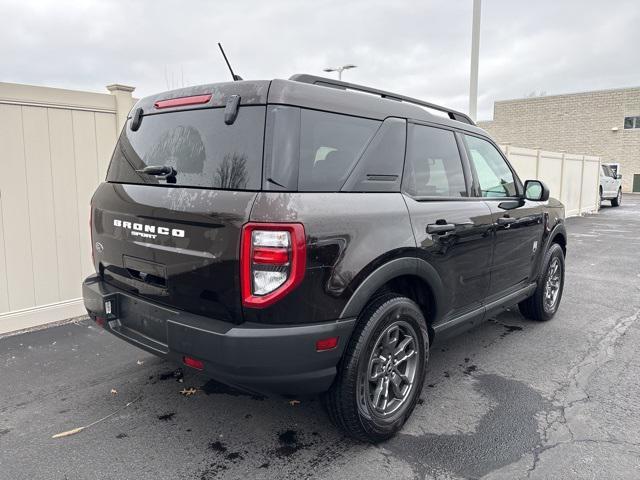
point(329, 82)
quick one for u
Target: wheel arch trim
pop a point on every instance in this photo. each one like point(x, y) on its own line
point(395, 268)
point(558, 230)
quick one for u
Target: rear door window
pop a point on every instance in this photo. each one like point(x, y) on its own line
point(380, 167)
point(433, 167)
point(203, 150)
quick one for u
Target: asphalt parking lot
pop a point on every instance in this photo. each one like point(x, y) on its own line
point(509, 399)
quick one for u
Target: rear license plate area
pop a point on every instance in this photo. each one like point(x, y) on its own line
point(143, 318)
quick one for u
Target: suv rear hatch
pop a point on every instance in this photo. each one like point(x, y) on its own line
point(174, 239)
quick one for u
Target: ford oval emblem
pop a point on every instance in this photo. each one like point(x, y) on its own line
point(99, 247)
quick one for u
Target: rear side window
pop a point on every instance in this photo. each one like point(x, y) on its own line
point(330, 145)
point(494, 175)
point(312, 151)
point(433, 166)
point(203, 150)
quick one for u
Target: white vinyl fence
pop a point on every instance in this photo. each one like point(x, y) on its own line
point(572, 179)
point(54, 149)
point(55, 146)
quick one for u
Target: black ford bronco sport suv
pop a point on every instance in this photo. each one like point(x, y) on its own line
point(309, 236)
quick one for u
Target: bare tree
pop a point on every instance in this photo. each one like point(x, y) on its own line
point(232, 172)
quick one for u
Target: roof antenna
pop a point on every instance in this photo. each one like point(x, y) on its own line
point(233, 75)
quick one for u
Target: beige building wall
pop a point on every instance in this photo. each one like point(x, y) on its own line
point(584, 123)
point(55, 146)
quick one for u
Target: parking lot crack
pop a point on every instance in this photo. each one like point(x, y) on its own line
point(601, 352)
point(574, 390)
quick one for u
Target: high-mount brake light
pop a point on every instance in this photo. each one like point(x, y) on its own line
point(183, 101)
point(272, 261)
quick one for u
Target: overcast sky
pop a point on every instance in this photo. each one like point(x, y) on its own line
point(419, 48)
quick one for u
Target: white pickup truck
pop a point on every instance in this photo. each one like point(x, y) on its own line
point(610, 185)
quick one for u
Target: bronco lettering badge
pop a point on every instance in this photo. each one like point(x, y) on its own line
point(148, 231)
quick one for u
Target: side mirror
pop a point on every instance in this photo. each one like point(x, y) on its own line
point(536, 190)
point(619, 176)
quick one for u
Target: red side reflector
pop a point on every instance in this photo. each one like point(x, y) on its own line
point(193, 363)
point(270, 256)
point(326, 344)
point(100, 321)
point(182, 101)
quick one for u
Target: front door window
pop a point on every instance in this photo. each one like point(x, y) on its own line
point(494, 175)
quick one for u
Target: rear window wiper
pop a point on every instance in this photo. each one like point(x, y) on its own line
point(162, 171)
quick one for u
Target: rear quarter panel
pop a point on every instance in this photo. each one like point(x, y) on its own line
point(348, 235)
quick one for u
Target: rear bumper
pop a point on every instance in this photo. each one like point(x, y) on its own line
point(255, 357)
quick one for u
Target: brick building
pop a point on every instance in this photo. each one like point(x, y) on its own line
point(605, 123)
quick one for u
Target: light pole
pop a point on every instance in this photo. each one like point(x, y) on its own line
point(475, 53)
point(340, 69)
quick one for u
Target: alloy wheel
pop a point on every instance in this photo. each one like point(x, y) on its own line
point(389, 378)
point(552, 285)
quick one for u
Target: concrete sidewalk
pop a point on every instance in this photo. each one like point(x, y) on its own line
point(509, 399)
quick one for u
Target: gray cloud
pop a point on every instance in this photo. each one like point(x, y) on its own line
point(416, 47)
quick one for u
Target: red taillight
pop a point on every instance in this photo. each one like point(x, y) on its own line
point(272, 261)
point(193, 363)
point(326, 344)
point(270, 256)
point(182, 101)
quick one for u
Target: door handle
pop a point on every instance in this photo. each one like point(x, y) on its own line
point(506, 220)
point(440, 228)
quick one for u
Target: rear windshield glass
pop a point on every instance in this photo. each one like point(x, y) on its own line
point(203, 150)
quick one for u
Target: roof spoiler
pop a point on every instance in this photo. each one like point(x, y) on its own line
point(328, 82)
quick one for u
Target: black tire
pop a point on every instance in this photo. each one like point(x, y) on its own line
point(615, 202)
point(600, 191)
point(536, 307)
point(348, 400)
